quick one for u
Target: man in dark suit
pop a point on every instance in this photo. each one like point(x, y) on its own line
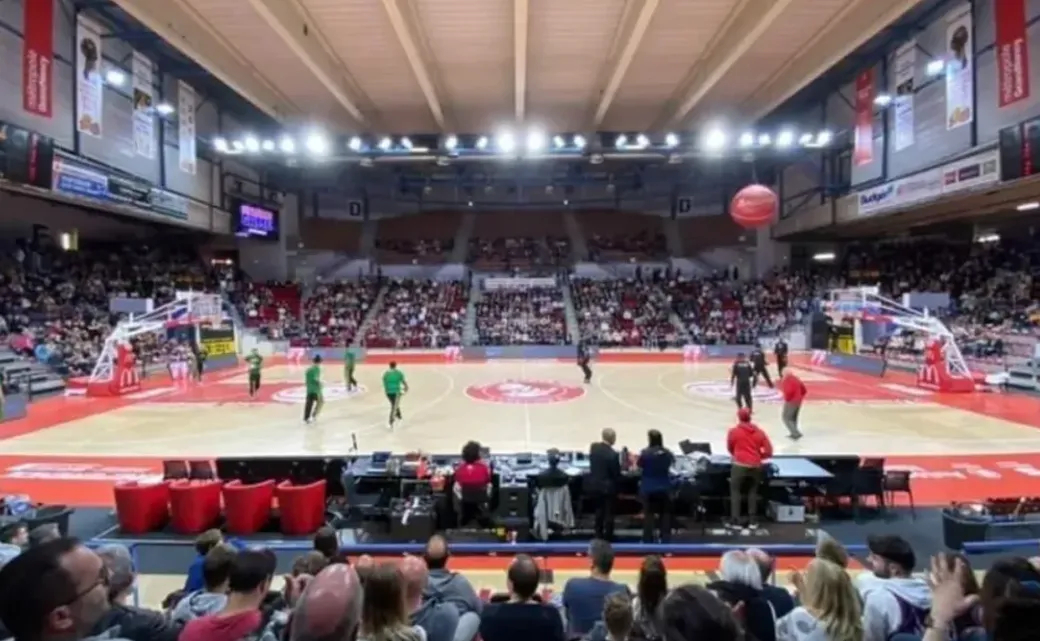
point(601, 482)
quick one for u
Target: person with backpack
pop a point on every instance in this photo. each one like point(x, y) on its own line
point(894, 601)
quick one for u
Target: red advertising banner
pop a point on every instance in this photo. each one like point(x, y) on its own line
point(863, 151)
point(1012, 51)
point(38, 57)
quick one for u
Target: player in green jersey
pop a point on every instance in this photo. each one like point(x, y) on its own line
point(256, 363)
point(314, 399)
point(394, 385)
point(350, 360)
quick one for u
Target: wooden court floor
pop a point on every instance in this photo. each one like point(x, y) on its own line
point(515, 406)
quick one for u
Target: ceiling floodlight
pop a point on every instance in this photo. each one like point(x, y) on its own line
point(805, 140)
point(671, 140)
point(238, 146)
point(220, 145)
point(267, 145)
point(559, 142)
point(785, 139)
point(935, 67)
point(252, 144)
point(451, 142)
point(354, 144)
point(824, 138)
point(764, 140)
point(164, 108)
point(287, 145)
point(747, 139)
point(115, 77)
point(715, 140)
point(317, 144)
point(482, 143)
point(642, 141)
point(506, 142)
point(1032, 206)
point(883, 100)
point(621, 141)
point(579, 142)
point(406, 142)
point(385, 143)
point(535, 140)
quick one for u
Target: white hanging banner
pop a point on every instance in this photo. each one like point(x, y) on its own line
point(960, 58)
point(144, 106)
point(90, 85)
point(186, 129)
point(903, 108)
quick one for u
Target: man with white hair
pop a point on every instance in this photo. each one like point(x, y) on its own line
point(135, 624)
point(740, 581)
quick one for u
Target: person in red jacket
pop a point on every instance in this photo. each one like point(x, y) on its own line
point(749, 447)
point(794, 391)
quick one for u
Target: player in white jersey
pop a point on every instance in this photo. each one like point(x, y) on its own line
point(179, 367)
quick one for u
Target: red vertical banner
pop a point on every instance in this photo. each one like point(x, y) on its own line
point(1012, 51)
point(863, 150)
point(38, 57)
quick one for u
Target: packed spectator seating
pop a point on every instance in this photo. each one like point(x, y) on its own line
point(519, 241)
point(272, 308)
point(532, 316)
point(419, 313)
point(618, 236)
point(333, 312)
point(427, 238)
point(624, 313)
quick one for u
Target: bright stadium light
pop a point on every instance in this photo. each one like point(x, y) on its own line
point(164, 108)
point(805, 140)
point(220, 145)
point(482, 143)
point(317, 145)
point(579, 141)
point(785, 139)
point(506, 142)
point(642, 142)
point(824, 138)
point(621, 141)
point(1031, 206)
point(451, 142)
point(715, 139)
point(671, 140)
point(252, 144)
point(406, 142)
point(287, 145)
point(385, 143)
point(559, 142)
point(115, 77)
point(354, 144)
point(935, 67)
point(883, 100)
point(747, 139)
point(764, 140)
point(267, 145)
point(535, 140)
point(238, 146)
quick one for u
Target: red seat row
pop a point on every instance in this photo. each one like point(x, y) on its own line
point(191, 507)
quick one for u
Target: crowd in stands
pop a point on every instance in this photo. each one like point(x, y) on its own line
point(633, 312)
point(520, 252)
point(334, 312)
point(531, 316)
point(418, 248)
point(419, 313)
point(643, 245)
point(271, 308)
point(57, 588)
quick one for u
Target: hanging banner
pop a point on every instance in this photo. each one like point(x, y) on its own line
point(90, 86)
point(186, 129)
point(1012, 51)
point(76, 180)
point(144, 109)
point(863, 153)
point(960, 58)
point(37, 56)
point(903, 105)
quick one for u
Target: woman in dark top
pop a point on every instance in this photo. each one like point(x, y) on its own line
point(655, 487)
point(472, 476)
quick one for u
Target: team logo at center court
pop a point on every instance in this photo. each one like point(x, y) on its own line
point(525, 392)
point(298, 394)
point(722, 390)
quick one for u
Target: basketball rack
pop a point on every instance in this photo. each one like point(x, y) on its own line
point(867, 304)
point(188, 308)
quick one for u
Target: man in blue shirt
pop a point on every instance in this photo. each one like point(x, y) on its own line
point(655, 487)
point(583, 598)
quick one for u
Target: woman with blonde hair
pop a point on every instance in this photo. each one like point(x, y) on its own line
point(830, 608)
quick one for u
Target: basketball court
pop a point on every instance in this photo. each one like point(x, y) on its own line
point(960, 446)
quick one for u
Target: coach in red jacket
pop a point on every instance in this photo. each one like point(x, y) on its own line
point(793, 390)
point(750, 447)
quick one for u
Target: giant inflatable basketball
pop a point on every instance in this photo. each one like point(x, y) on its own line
point(754, 206)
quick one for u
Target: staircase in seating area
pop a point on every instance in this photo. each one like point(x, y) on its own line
point(370, 317)
point(41, 379)
point(469, 330)
point(580, 247)
point(570, 313)
point(670, 229)
point(462, 236)
point(684, 332)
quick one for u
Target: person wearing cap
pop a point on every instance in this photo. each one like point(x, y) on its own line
point(894, 601)
point(749, 447)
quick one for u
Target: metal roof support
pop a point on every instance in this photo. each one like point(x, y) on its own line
point(416, 59)
point(520, 23)
point(635, 23)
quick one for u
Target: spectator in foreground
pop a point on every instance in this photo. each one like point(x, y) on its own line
point(216, 569)
point(445, 586)
point(1011, 616)
point(384, 615)
point(439, 620)
point(651, 590)
point(203, 544)
point(741, 583)
point(1015, 577)
point(135, 624)
point(829, 610)
point(692, 613)
point(830, 549)
point(56, 590)
point(778, 597)
point(617, 617)
point(329, 608)
point(326, 541)
point(15, 539)
point(43, 534)
point(248, 584)
point(523, 617)
point(583, 598)
point(894, 601)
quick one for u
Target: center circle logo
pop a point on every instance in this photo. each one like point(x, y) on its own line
point(724, 391)
point(329, 392)
point(525, 392)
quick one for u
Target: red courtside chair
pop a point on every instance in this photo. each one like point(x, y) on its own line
point(302, 507)
point(142, 507)
point(247, 508)
point(194, 506)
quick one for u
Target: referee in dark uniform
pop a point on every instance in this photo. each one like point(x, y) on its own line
point(780, 353)
point(758, 362)
point(742, 377)
point(583, 361)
